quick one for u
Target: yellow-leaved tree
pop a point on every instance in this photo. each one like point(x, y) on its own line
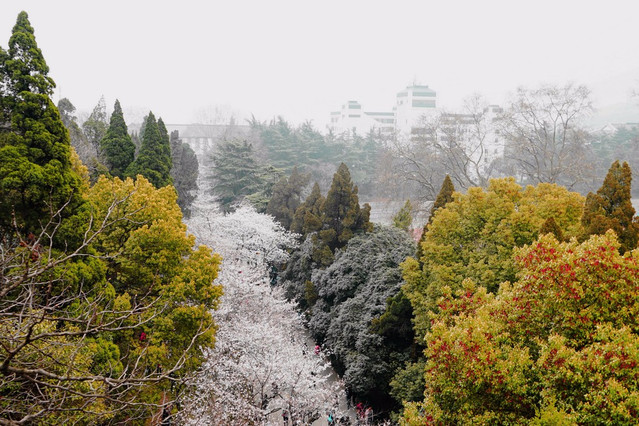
point(111, 329)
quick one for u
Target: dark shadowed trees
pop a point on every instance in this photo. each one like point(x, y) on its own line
point(351, 292)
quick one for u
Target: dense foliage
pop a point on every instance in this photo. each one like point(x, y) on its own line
point(184, 172)
point(474, 235)
point(262, 363)
point(238, 174)
point(286, 197)
point(116, 146)
point(558, 346)
point(154, 159)
point(611, 208)
point(286, 147)
point(351, 292)
point(36, 175)
point(105, 302)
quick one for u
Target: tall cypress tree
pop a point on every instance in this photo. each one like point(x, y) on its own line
point(342, 216)
point(444, 197)
point(36, 176)
point(308, 216)
point(153, 162)
point(165, 143)
point(611, 208)
point(117, 147)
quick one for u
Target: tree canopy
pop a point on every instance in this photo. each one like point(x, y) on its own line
point(474, 235)
point(106, 304)
point(37, 180)
point(154, 158)
point(558, 346)
point(117, 148)
point(286, 197)
point(611, 208)
point(184, 172)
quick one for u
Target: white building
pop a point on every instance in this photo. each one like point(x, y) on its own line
point(415, 106)
point(411, 105)
point(352, 118)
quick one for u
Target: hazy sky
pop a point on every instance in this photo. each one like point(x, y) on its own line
point(301, 59)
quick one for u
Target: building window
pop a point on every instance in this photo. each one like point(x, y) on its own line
point(423, 103)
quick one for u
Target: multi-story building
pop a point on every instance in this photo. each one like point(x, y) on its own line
point(352, 118)
point(411, 105)
point(416, 116)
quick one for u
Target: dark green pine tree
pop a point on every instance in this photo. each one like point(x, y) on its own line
point(342, 216)
point(444, 197)
point(286, 197)
point(166, 143)
point(308, 216)
point(117, 148)
point(611, 208)
point(36, 176)
point(153, 162)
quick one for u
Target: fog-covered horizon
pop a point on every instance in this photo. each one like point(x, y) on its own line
point(195, 62)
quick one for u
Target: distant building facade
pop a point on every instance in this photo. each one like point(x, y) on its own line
point(202, 138)
point(415, 116)
point(411, 105)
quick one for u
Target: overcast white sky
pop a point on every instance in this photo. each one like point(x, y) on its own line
point(301, 59)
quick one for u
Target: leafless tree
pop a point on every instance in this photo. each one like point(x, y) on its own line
point(544, 139)
point(458, 144)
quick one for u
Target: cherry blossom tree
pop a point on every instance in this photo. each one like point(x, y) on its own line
point(262, 363)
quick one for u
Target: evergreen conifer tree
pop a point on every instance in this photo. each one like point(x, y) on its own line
point(286, 197)
point(342, 216)
point(308, 216)
point(235, 172)
point(166, 142)
point(184, 172)
point(117, 148)
point(404, 217)
point(444, 197)
point(550, 227)
point(611, 208)
point(153, 162)
point(36, 175)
